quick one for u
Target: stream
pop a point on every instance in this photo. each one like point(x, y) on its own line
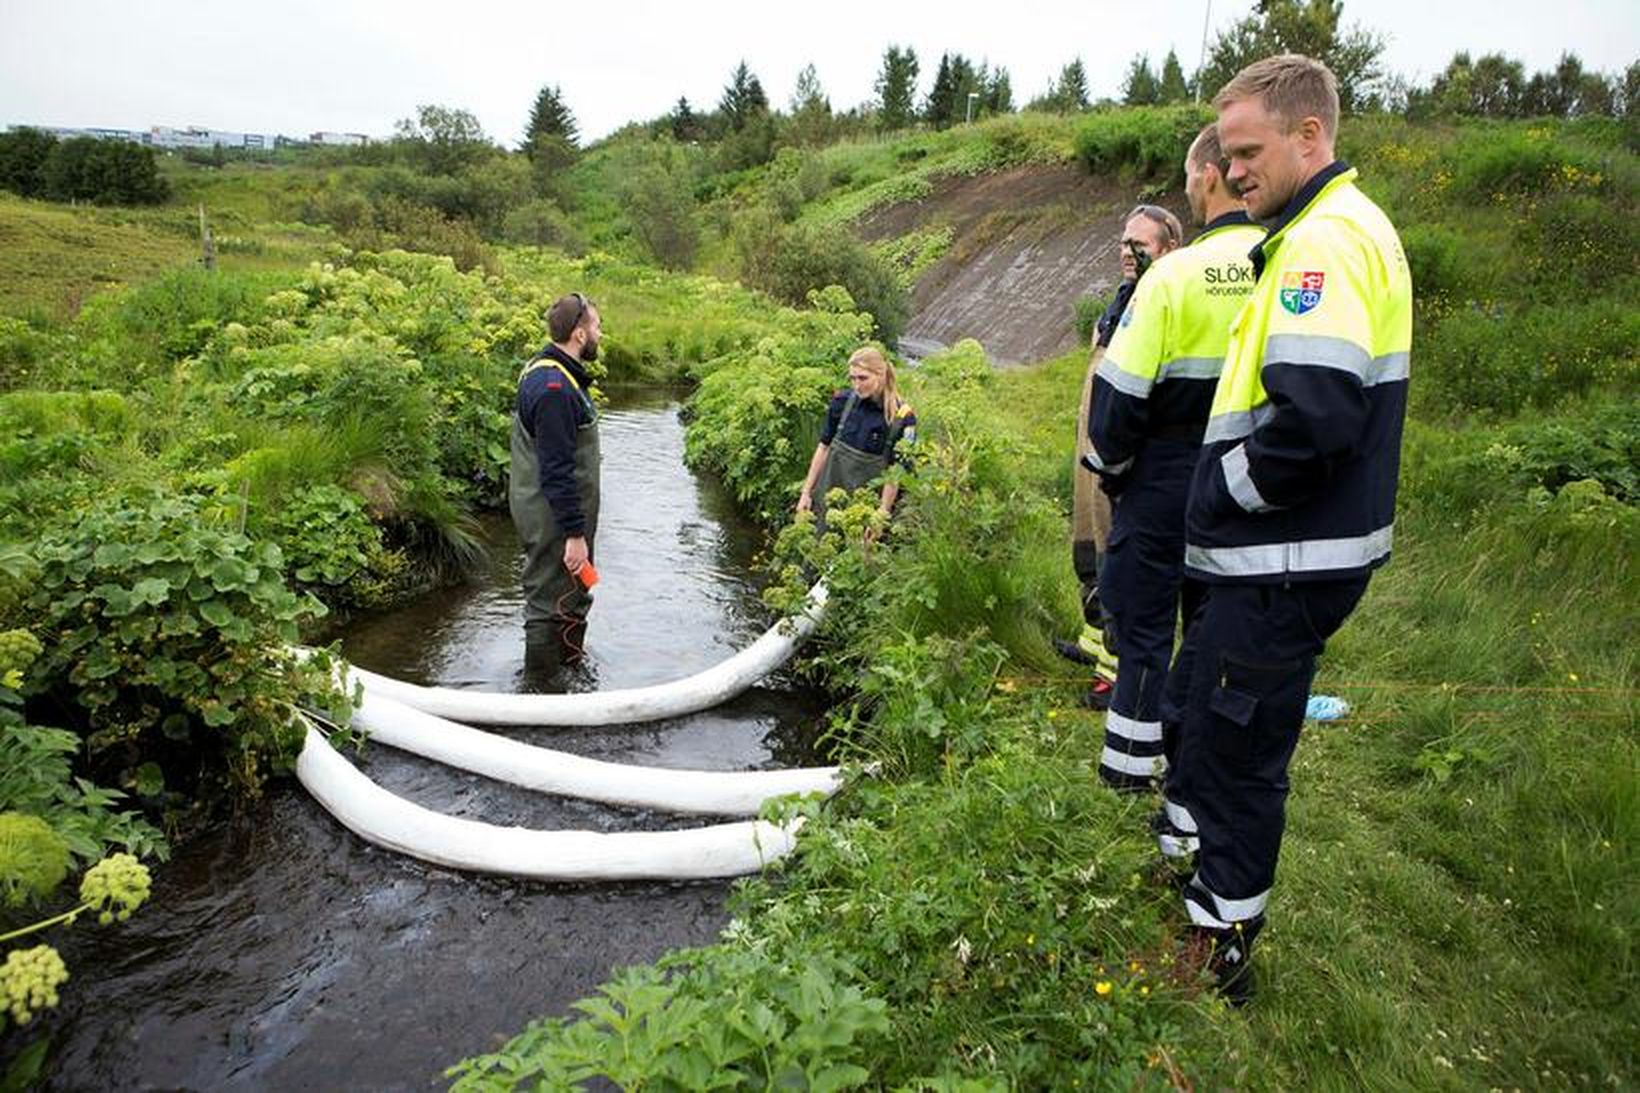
point(280, 951)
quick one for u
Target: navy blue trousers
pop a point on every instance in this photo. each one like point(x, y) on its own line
point(1142, 586)
point(1237, 694)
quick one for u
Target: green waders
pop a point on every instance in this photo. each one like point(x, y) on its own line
point(846, 467)
point(555, 601)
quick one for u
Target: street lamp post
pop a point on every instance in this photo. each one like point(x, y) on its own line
point(973, 96)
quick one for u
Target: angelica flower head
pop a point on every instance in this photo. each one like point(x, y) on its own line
point(28, 982)
point(115, 887)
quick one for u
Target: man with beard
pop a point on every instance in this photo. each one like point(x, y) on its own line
point(555, 489)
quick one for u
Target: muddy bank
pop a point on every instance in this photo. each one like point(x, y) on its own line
point(1026, 243)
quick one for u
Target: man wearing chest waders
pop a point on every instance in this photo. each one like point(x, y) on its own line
point(864, 426)
point(554, 490)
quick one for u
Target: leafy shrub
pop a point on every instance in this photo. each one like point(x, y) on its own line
point(325, 535)
point(36, 778)
point(1512, 162)
point(657, 195)
point(791, 262)
point(407, 225)
point(710, 1019)
point(1501, 360)
point(539, 222)
point(1146, 142)
point(173, 316)
point(757, 413)
point(1087, 310)
point(1435, 257)
point(333, 381)
point(171, 639)
point(1455, 473)
point(1579, 240)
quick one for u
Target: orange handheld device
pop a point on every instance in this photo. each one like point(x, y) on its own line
point(588, 575)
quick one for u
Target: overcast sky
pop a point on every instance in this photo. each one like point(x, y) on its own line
point(298, 66)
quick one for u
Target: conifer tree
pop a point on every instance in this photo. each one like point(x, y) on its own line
point(743, 99)
point(897, 88)
point(551, 126)
point(685, 123)
point(1140, 87)
point(1070, 94)
point(1173, 89)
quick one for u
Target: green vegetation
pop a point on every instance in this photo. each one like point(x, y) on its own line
point(1456, 856)
point(192, 462)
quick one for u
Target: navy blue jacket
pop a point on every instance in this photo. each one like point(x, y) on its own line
point(552, 411)
point(866, 430)
point(1106, 327)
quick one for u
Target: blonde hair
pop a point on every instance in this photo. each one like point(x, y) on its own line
point(1289, 85)
point(872, 360)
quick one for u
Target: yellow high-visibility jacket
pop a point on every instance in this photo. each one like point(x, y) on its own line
point(1157, 378)
point(1298, 470)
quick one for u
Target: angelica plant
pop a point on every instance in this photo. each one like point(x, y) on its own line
point(29, 978)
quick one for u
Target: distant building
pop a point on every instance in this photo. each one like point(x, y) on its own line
point(67, 133)
point(344, 140)
point(198, 136)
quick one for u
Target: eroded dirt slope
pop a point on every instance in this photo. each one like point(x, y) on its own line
point(1026, 243)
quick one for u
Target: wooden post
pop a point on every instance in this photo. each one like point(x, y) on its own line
point(207, 245)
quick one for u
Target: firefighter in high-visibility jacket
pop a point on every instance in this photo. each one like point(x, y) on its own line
point(1150, 401)
point(1292, 502)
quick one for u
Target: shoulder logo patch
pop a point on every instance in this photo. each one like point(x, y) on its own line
point(1301, 290)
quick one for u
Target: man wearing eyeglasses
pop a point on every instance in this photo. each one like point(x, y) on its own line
point(554, 489)
point(1149, 232)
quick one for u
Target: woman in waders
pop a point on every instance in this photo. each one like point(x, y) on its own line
point(863, 426)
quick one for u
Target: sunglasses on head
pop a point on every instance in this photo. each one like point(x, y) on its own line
point(1159, 215)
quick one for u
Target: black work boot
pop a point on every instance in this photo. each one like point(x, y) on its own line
point(1229, 956)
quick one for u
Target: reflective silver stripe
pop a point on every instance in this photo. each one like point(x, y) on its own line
point(1239, 481)
point(1237, 423)
point(1144, 732)
point(1177, 846)
point(1391, 368)
point(1179, 816)
point(1340, 353)
point(1191, 368)
point(1304, 556)
point(1093, 461)
point(1318, 349)
point(1124, 381)
point(1201, 916)
point(1140, 766)
point(1236, 910)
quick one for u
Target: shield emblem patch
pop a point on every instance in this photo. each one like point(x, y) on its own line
point(1301, 290)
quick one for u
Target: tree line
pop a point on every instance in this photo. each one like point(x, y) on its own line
point(34, 163)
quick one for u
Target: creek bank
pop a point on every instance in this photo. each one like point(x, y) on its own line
point(280, 951)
